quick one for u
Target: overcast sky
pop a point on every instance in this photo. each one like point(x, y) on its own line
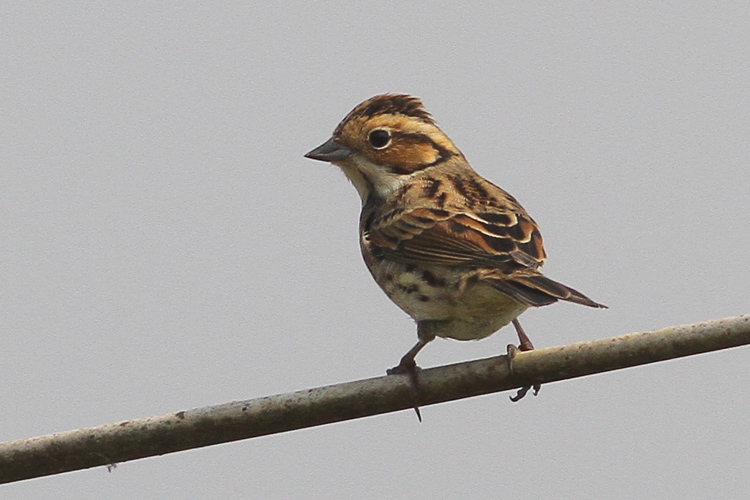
point(164, 245)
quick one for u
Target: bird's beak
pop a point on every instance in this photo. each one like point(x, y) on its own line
point(330, 151)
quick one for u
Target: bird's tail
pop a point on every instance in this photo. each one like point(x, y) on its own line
point(538, 290)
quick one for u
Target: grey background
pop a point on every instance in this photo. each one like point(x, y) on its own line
point(164, 245)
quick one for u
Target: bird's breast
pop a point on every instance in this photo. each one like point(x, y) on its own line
point(471, 309)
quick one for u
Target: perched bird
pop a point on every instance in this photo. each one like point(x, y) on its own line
point(457, 253)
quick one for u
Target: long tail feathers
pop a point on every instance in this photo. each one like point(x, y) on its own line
point(538, 290)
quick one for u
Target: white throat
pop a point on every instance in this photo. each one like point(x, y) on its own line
point(369, 178)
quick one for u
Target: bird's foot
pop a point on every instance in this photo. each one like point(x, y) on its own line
point(409, 367)
point(512, 350)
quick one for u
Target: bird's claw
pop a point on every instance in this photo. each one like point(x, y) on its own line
point(524, 390)
point(512, 351)
point(410, 368)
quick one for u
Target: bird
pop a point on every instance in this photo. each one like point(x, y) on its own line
point(457, 253)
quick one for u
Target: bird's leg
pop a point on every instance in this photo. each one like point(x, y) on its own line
point(524, 345)
point(408, 366)
point(407, 363)
point(523, 339)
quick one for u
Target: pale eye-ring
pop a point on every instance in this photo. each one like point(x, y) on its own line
point(379, 138)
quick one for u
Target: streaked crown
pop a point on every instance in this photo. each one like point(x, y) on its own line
point(395, 132)
point(387, 104)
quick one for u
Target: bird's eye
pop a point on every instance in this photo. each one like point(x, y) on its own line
point(379, 138)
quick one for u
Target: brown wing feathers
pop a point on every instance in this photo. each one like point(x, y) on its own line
point(508, 243)
point(461, 238)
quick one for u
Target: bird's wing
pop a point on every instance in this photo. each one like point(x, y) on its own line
point(495, 237)
point(505, 244)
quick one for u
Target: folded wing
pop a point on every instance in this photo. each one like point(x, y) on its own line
point(503, 242)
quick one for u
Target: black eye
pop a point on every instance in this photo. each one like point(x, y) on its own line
point(379, 138)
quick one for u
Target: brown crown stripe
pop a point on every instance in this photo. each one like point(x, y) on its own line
point(392, 104)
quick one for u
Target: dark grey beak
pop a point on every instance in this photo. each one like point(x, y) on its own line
point(330, 151)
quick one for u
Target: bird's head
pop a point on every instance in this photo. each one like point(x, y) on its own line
point(383, 142)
